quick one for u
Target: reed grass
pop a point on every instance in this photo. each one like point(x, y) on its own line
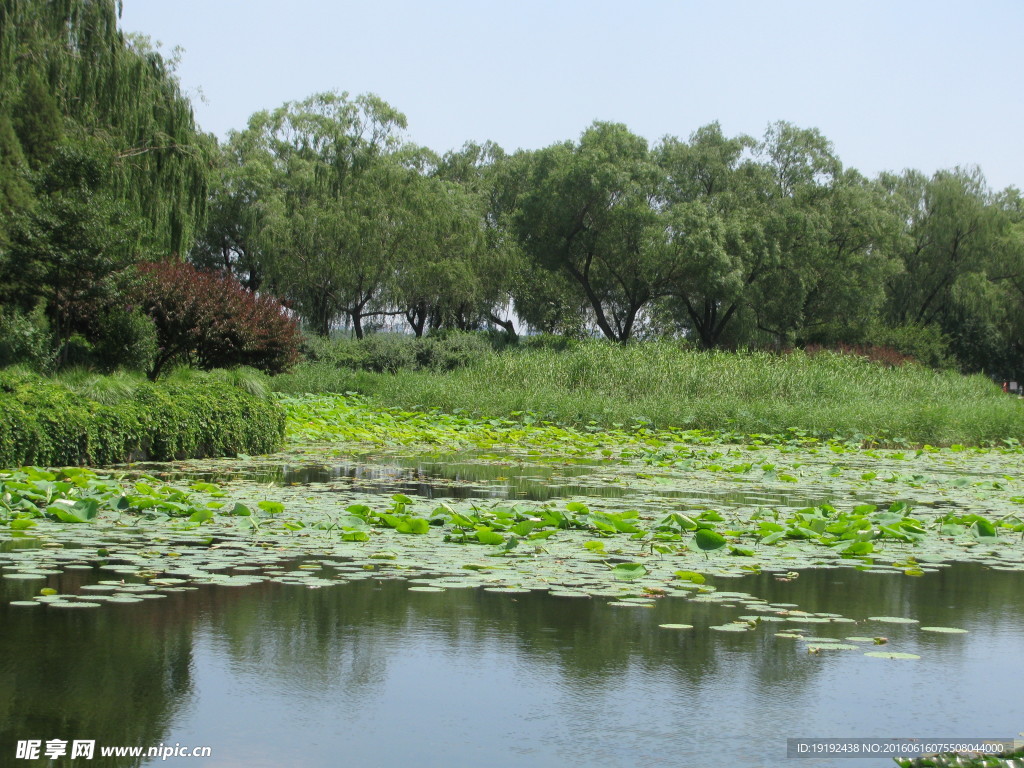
point(664, 385)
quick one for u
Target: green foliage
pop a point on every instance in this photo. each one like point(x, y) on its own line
point(393, 352)
point(924, 343)
point(586, 214)
point(124, 339)
point(668, 385)
point(46, 423)
point(25, 338)
point(451, 350)
point(70, 78)
point(78, 495)
point(390, 352)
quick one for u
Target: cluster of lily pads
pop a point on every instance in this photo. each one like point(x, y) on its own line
point(688, 509)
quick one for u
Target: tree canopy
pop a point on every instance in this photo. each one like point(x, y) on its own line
point(724, 241)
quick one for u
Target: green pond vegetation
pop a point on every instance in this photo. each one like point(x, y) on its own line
point(805, 503)
point(694, 510)
point(600, 385)
point(857, 426)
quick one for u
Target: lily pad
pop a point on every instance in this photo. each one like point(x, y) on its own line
point(892, 619)
point(945, 630)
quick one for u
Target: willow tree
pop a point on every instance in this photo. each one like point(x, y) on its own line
point(460, 275)
point(100, 159)
point(118, 91)
point(588, 213)
point(960, 254)
point(332, 190)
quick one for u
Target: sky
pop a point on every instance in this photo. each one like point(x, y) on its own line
point(893, 84)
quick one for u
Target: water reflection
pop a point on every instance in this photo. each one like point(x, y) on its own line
point(285, 675)
point(454, 477)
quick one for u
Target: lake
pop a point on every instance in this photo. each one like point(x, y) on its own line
point(288, 651)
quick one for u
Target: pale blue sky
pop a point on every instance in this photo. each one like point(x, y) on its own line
point(893, 84)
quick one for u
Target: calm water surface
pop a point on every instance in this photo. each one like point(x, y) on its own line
point(371, 674)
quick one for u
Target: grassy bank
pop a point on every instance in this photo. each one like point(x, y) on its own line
point(98, 420)
point(827, 395)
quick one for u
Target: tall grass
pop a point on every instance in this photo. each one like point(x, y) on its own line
point(668, 386)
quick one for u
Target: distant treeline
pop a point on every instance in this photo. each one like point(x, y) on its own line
point(729, 241)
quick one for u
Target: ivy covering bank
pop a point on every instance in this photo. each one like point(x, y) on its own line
point(44, 422)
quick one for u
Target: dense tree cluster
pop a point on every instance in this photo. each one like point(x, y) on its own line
point(728, 241)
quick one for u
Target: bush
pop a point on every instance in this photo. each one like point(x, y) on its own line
point(394, 352)
point(924, 343)
point(446, 352)
point(25, 339)
point(45, 423)
point(211, 321)
point(125, 339)
point(390, 352)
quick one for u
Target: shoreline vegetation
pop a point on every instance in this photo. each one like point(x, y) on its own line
point(738, 396)
point(586, 392)
point(86, 419)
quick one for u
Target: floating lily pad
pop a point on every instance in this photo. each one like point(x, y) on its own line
point(945, 630)
point(676, 626)
point(832, 647)
point(892, 619)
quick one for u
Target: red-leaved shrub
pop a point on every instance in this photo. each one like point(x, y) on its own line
point(886, 356)
point(209, 320)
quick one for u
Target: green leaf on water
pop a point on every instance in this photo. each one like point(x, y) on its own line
point(416, 525)
point(708, 540)
point(983, 528)
point(859, 548)
point(696, 578)
point(629, 571)
point(487, 536)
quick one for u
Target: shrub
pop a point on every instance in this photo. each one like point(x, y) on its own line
point(26, 339)
point(446, 352)
point(125, 339)
point(886, 356)
point(211, 321)
point(45, 423)
point(924, 343)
